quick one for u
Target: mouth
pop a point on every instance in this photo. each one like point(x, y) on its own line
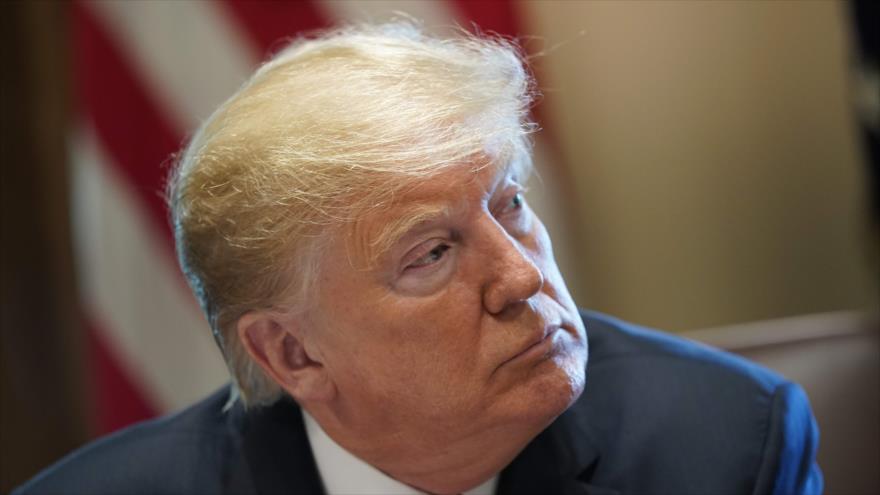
point(537, 348)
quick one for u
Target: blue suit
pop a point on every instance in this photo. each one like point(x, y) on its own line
point(658, 415)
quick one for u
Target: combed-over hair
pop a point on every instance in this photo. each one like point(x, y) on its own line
point(329, 129)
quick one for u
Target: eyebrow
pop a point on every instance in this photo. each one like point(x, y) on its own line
point(393, 232)
point(376, 245)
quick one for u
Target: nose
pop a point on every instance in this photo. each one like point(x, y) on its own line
point(513, 275)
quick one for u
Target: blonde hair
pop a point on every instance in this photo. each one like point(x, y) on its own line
point(330, 128)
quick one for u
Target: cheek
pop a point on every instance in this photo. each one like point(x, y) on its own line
point(554, 283)
point(542, 248)
point(407, 348)
point(434, 333)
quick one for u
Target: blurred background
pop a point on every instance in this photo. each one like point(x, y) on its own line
point(705, 168)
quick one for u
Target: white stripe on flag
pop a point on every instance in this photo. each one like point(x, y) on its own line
point(190, 53)
point(433, 13)
point(129, 283)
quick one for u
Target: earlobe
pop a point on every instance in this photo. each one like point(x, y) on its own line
point(275, 344)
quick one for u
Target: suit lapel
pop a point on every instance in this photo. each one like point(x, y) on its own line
point(559, 460)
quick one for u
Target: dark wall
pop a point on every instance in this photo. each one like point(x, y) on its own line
point(41, 389)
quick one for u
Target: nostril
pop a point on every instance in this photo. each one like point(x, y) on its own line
point(512, 311)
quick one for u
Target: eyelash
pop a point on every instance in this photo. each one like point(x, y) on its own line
point(434, 255)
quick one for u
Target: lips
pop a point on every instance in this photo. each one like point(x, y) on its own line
point(542, 338)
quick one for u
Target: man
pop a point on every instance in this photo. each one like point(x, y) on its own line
point(352, 221)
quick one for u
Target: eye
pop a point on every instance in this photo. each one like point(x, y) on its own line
point(511, 211)
point(513, 204)
point(431, 257)
point(516, 201)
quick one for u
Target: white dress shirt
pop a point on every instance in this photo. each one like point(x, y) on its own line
point(345, 474)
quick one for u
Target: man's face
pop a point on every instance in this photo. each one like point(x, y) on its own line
point(463, 324)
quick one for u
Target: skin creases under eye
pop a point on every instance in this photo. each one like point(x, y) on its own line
point(427, 267)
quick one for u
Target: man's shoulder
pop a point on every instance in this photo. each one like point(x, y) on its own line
point(164, 455)
point(636, 369)
point(657, 403)
point(617, 344)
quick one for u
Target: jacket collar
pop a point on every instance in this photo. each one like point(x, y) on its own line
point(274, 456)
point(561, 459)
point(273, 451)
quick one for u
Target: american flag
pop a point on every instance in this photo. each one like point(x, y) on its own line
point(145, 74)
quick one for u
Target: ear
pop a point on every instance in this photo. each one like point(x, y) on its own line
point(276, 344)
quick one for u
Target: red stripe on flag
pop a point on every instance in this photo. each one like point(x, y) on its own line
point(119, 401)
point(138, 139)
point(271, 24)
point(127, 120)
point(499, 16)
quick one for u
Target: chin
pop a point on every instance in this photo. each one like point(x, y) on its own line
point(550, 389)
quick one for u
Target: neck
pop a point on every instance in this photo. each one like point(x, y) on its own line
point(434, 459)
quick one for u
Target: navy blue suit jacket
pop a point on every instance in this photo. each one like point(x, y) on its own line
point(658, 415)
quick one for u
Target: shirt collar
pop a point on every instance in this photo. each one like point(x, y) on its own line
point(344, 473)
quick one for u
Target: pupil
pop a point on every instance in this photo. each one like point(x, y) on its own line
point(437, 252)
